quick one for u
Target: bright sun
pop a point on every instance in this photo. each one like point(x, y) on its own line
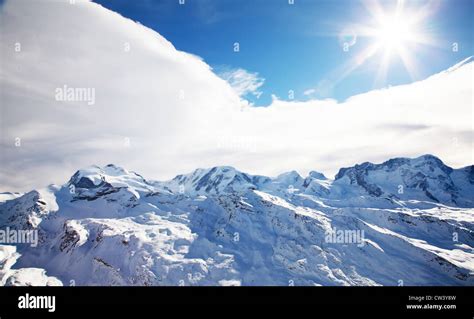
point(396, 33)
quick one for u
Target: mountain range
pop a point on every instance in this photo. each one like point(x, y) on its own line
point(406, 221)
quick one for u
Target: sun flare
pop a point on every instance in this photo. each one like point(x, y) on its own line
point(395, 33)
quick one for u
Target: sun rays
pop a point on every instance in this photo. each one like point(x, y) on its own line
point(394, 33)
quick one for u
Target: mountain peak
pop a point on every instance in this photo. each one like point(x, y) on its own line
point(289, 178)
point(215, 180)
point(317, 175)
point(425, 177)
point(395, 163)
point(94, 181)
point(429, 158)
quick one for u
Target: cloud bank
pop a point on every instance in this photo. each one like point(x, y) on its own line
point(160, 112)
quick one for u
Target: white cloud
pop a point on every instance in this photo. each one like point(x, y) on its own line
point(243, 82)
point(177, 114)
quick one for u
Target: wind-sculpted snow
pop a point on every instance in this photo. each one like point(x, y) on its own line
point(402, 222)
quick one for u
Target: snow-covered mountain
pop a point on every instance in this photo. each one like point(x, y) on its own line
point(405, 221)
point(425, 177)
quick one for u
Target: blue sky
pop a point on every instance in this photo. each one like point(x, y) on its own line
point(298, 47)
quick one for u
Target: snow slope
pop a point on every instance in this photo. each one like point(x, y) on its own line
point(220, 226)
